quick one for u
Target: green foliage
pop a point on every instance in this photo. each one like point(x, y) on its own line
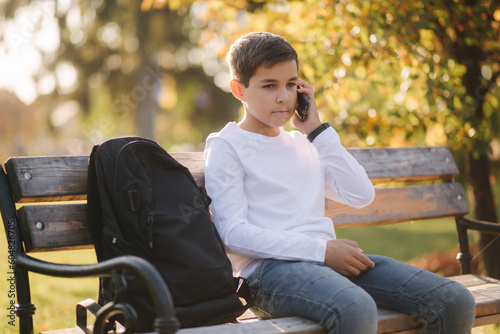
point(386, 72)
point(138, 73)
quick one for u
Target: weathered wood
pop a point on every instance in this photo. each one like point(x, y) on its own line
point(392, 205)
point(388, 321)
point(474, 280)
point(487, 320)
point(48, 178)
point(487, 299)
point(66, 226)
point(272, 326)
point(486, 292)
point(381, 164)
point(391, 321)
point(406, 164)
point(73, 330)
point(60, 227)
point(194, 161)
point(64, 177)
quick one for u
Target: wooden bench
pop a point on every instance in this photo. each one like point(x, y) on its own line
point(43, 208)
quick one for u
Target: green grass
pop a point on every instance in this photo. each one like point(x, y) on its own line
point(405, 241)
point(54, 298)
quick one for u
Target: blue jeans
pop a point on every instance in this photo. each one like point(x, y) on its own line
point(349, 304)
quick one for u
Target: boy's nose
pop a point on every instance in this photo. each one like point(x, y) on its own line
point(283, 96)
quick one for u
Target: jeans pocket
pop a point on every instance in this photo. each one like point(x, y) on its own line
point(253, 279)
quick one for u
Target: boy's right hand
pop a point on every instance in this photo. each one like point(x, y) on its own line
point(312, 120)
point(345, 257)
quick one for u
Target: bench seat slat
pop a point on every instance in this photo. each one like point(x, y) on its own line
point(64, 177)
point(392, 321)
point(487, 320)
point(392, 205)
point(487, 299)
point(486, 292)
point(474, 280)
point(272, 326)
point(388, 321)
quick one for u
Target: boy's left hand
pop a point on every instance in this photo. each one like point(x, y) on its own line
point(312, 120)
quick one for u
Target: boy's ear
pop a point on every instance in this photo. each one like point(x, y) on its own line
point(237, 89)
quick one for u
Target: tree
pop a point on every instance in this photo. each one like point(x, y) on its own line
point(464, 33)
point(427, 70)
point(471, 37)
point(136, 72)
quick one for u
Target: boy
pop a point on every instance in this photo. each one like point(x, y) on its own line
point(268, 188)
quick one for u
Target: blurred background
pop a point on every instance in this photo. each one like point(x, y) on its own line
point(386, 73)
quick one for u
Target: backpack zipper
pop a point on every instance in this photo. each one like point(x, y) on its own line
point(144, 141)
point(150, 221)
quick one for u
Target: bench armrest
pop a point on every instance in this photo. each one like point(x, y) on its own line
point(165, 322)
point(479, 225)
point(463, 225)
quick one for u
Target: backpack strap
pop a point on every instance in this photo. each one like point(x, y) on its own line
point(244, 291)
point(94, 209)
point(205, 199)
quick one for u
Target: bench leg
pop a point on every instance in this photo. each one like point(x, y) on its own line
point(24, 309)
point(465, 256)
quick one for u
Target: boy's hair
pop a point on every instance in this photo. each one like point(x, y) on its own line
point(255, 49)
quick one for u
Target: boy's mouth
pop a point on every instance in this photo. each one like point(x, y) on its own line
point(282, 112)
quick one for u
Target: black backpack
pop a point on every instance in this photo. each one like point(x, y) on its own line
point(142, 202)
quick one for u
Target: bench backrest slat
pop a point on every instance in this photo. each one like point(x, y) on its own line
point(59, 227)
point(393, 205)
point(40, 179)
point(65, 226)
point(398, 172)
point(43, 179)
point(407, 163)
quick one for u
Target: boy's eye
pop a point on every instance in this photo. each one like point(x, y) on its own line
point(292, 84)
point(269, 86)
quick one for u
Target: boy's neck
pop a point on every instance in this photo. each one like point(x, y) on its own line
point(266, 131)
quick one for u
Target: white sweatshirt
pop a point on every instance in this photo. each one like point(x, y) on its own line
point(268, 193)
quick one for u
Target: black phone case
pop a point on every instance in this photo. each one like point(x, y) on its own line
point(302, 106)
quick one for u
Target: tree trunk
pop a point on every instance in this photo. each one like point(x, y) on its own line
point(478, 172)
point(147, 107)
point(147, 83)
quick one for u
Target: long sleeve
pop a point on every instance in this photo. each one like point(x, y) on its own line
point(346, 180)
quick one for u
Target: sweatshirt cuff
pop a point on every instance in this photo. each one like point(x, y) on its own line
point(326, 138)
point(321, 251)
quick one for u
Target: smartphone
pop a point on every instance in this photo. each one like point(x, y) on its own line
point(302, 106)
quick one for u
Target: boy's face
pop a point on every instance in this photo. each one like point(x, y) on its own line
point(270, 98)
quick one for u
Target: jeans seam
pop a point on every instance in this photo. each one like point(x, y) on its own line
point(312, 301)
point(436, 312)
point(257, 271)
point(310, 283)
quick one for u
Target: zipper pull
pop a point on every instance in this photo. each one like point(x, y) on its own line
point(151, 220)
